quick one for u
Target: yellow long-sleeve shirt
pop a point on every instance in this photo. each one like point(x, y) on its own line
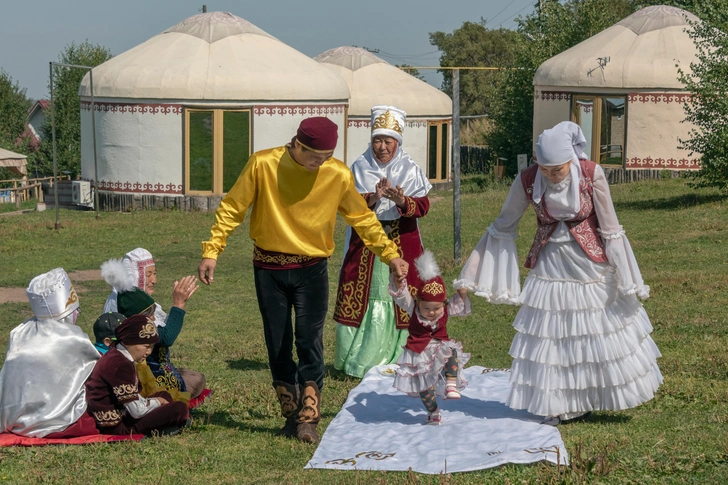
point(294, 209)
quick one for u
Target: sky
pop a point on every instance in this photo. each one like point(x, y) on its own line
point(34, 32)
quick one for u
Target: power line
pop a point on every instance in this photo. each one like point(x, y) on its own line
point(504, 8)
point(411, 56)
point(524, 8)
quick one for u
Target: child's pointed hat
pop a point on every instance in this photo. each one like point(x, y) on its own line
point(432, 286)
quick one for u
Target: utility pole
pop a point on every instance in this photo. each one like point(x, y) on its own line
point(93, 134)
point(457, 245)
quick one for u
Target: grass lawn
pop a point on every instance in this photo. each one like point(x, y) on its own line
point(10, 206)
point(679, 237)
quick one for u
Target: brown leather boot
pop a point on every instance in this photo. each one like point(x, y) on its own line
point(309, 413)
point(289, 398)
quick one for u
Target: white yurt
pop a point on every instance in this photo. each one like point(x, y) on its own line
point(178, 115)
point(373, 81)
point(622, 87)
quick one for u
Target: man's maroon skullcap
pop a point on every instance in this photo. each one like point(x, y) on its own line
point(318, 134)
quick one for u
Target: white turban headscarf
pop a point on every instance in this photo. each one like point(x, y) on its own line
point(401, 170)
point(558, 145)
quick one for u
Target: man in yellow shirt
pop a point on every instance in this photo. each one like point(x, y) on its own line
point(295, 192)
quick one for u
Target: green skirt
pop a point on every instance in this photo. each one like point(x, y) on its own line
point(377, 340)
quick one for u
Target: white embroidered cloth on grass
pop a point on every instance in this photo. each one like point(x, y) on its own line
point(380, 428)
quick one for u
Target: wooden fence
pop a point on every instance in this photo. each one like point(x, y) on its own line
point(20, 190)
point(474, 159)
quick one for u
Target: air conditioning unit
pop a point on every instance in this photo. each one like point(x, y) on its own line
point(81, 193)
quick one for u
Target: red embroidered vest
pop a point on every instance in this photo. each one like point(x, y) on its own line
point(583, 227)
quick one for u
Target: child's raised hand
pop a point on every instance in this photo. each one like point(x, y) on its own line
point(162, 401)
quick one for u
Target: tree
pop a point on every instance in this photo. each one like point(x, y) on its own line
point(541, 36)
point(67, 106)
point(708, 109)
point(474, 45)
point(14, 106)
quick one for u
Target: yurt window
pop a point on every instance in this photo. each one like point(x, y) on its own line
point(217, 147)
point(603, 120)
point(438, 151)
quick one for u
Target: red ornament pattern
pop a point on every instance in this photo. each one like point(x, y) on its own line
point(137, 187)
point(554, 95)
point(661, 163)
point(409, 124)
point(293, 110)
point(152, 109)
point(659, 97)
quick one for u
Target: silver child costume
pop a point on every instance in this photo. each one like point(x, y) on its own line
point(47, 362)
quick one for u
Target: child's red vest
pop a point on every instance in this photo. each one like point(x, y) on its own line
point(583, 227)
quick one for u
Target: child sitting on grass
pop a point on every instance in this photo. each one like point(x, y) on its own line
point(113, 390)
point(104, 330)
point(431, 364)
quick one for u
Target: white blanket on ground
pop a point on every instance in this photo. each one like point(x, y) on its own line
point(380, 428)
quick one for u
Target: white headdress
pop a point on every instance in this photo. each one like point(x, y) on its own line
point(558, 145)
point(127, 273)
point(388, 121)
point(51, 295)
point(401, 170)
point(137, 261)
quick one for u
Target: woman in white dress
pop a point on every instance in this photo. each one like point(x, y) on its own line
point(583, 339)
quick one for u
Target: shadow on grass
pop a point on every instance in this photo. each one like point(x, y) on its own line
point(670, 203)
point(601, 419)
point(247, 364)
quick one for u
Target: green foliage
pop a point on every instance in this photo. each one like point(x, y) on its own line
point(14, 107)
point(67, 106)
point(471, 45)
point(708, 108)
point(542, 35)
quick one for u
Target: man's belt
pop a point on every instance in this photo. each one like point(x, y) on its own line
point(274, 260)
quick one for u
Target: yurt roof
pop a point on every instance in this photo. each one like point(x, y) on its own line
point(215, 56)
point(640, 52)
point(374, 81)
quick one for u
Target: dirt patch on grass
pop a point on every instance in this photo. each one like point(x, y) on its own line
point(12, 295)
point(17, 295)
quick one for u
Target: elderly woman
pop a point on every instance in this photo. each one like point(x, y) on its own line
point(583, 339)
point(137, 269)
point(371, 330)
point(47, 362)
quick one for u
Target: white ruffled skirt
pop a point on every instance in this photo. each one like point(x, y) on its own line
point(419, 372)
point(581, 344)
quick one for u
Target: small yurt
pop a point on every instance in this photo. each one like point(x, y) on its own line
point(178, 115)
point(621, 86)
point(373, 81)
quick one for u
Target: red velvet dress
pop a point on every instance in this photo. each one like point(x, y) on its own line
point(114, 383)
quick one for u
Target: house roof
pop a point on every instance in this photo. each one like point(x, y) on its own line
point(215, 56)
point(374, 81)
point(640, 51)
